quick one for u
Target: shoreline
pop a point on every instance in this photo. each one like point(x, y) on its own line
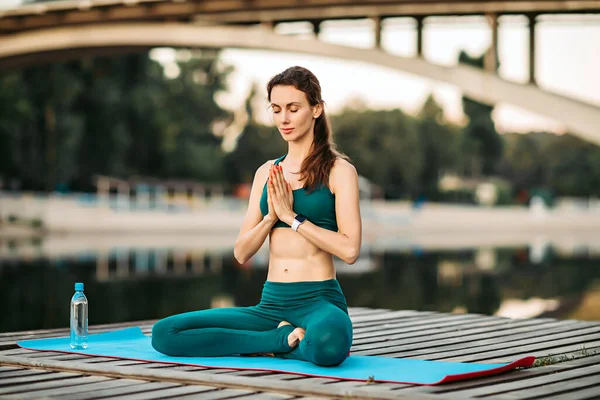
point(436, 218)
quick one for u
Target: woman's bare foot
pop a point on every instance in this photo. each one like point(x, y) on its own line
point(296, 336)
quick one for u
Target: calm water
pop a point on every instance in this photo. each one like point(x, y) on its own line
point(149, 281)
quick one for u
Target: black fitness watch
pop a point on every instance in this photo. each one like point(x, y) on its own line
point(298, 220)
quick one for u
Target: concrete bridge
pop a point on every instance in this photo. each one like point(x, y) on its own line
point(59, 30)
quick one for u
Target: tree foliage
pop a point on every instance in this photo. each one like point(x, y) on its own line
point(62, 124)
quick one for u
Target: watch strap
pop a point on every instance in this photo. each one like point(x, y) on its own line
point(295, 224)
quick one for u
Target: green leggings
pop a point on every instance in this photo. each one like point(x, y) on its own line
point(317, 306)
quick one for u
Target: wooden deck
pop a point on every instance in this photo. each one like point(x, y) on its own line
point(570, 350)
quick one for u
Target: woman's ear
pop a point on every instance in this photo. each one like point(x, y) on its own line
point(317, 110)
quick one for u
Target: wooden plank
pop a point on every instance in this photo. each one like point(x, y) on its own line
point(431, 339)
point(449, 336)
point(550, 390)
point(378, 318)
point(407, 325)
point(119, 362)
point(18, 384)
point(503, 378)
point(21, 372)
point(458, 345)
point(311, 381)
point(42, 354)
point(459, 324)
point(266, 396)
point(89, 388)
point(554, 380)
point(441, 325)
point(496, 350)
point(36, 378)
point(570, 351)
point(538, 336)
point(292, 387)
point(177, 391)
point(283, 377)
point(119, 391)
point(591, 393)
point(9, 369)
point(94, 359)
point(249, 373)
point(540, 350)
point(52, 384)
point(497, 330)
point(581, 362)
point(55, 355)
point(406, 322)
point(358, 311)
point(220, 394)
point(14, 352)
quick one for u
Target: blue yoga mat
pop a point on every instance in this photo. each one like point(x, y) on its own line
point(132, 344)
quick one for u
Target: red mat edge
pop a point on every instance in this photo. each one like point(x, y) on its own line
point(522, 362)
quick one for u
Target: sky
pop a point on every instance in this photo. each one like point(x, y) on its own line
point(567, 63)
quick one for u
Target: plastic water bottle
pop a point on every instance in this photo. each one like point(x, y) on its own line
point(79, 318)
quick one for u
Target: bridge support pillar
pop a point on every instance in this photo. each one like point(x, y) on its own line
point(419, 36)
point(532, 22)
point(490, 61)
point(377, 29)
point(316, 27)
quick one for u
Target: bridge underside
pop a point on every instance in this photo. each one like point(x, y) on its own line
point(579, 118)
point(74, 12)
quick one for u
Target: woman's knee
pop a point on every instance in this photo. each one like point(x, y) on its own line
point(330, 345)
point(162, 335)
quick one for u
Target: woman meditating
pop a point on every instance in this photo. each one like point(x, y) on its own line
point(307, 202)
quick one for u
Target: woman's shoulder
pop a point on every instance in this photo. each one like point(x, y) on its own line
point(342, 166)
point(263, 170)
point(343, 172)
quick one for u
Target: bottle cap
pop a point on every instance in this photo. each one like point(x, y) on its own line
point(79, 286)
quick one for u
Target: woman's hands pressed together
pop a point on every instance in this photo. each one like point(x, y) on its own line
point(280, 196)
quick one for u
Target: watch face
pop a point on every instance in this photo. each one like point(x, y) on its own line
point(300, 218)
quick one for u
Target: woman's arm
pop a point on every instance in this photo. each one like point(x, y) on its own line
point(255, 228)
point(346, 243)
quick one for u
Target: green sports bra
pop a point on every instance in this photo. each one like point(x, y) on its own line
point(318, 206)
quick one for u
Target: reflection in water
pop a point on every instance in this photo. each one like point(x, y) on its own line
point(142, 282)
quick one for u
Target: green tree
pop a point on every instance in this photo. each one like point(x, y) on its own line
point(64, 123)
point(191, 148)
point(573, 166)
point(384, 146)
point(438, 142)
point(523, 162)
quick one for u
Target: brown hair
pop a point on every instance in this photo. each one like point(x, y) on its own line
point(316, 167)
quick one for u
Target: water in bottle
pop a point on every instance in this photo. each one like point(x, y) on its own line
point(79, 318)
